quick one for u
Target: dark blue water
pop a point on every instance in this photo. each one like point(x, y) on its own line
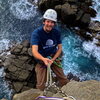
point(18, 19)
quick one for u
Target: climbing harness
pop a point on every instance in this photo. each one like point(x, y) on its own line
point(49, 85)
point(55, 62)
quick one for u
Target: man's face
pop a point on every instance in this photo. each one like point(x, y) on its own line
point(48, 25)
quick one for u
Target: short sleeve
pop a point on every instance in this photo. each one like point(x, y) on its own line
point(34, 38)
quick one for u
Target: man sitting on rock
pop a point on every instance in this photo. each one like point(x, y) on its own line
point(46, 41)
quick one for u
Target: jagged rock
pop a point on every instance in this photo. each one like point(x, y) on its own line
point(71, 1)
point(23, 58)
point(7, 76)
point(45, 4)
point(70, 76)
point(98, 44)
point(13, 75)
point(28, 95)
point(19, 66)
point(3, 99)
point(23, 75)
point(12, 68)
point(7, 62)
point(16, 49)
point(79, 14)
point(25, 43)
point(30, 51)
point(17, 86)
point(3, 57)
point(94, 25)
point(66, 12)
point(11, 56)
point(29, 67)
point(81, 0)
point(88, 1)
point(86, 18)
point(18, 63)
point(98, 37)
point(30, 85)
point(83, 34)
point(71, 12)
point(68, 9)
point(25, 88)
point(86, 90)
point(1, 64)
point(92, 12)
point(24, 51)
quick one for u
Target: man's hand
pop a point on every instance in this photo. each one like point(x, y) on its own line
point(47, 61)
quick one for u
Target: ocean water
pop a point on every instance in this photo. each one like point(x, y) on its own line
point(5, 91)
point(18, 18)
point(96, 6)
point(78, 58)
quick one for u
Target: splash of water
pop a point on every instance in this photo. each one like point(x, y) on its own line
point(17, 21)
point(92, 49)
point(96, 6)
point(5, 92)
point(23, 10)
point(90, 46)
point(76, 60)
point(4, 44)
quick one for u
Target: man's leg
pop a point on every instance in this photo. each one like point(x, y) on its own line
point(41, 76)
point(60, 75)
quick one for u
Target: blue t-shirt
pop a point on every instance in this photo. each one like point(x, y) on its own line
point(47, 42)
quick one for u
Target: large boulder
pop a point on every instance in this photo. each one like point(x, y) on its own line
point(45, 4)
point(28, 95)
point(19, 66)
point(71, 12)
point(87, 90)
point(95, 26)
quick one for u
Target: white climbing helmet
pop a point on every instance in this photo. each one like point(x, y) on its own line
point(51, 15)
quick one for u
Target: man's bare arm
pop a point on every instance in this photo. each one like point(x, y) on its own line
point(35, 52)
point(37, 55)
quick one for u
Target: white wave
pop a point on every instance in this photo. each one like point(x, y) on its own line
point(92, 49)
point(87, 76)
point(2, 74)
point(96, 6)
point(4, 44)
point(23, 10)
point(70, 67)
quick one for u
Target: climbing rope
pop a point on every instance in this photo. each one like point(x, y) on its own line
point(50, 84)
